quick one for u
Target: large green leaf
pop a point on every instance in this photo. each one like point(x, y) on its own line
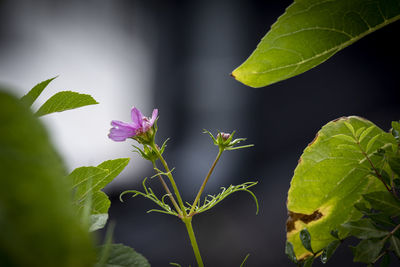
point(310, 32)
point(35, 92)
point(331, 176)
point(38, 224)
point(65, 100)
point(123, 256)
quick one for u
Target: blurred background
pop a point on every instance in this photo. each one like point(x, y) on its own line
point(177, 56)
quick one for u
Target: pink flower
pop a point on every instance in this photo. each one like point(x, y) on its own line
point(139, 125)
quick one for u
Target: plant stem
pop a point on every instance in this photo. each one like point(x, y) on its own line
point(171, 197)
point(171, 179)
point(205, 182)
point(189, 228)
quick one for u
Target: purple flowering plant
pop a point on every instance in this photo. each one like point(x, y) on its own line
point(143, 130)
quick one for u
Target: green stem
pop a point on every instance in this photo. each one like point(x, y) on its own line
point(205, 182)
point(171, 179)
point(189, 228)
point(171, 197)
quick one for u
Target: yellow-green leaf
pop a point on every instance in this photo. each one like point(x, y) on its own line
point(310, 32)
point(328, 181)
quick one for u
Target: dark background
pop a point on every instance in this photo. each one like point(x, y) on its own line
point(194, 45)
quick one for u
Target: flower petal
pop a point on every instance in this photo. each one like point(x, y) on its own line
point(121, 131)
point(137, 117)
point(153, 117)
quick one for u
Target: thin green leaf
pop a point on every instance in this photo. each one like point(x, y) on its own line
point(309, 261)
point(365, 133)
point(350, 127)
point(244, 261)
point(359, 131)
point(394, 163)
point(363, 229)
point(310, 32)
point(371, 142)
point(65, 100)
point(345, 137)
point(395, 242)
point(35, 92)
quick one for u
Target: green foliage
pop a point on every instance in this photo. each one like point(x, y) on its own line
point(35, 92)
point(37, 221)
point(310, 32)
point(123, 256)
point(87, 183)
point(65, 100)
point(333, 173)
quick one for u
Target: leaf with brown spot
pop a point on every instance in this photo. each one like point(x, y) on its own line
point(330, 179)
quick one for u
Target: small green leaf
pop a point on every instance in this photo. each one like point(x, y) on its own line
point(290, 252)
point(345, 137)
point(383, 201)
point(365, 133)
point(363, 229)
point(98, 221)
point(123, 256)
point(367, 250)
point(305, 238)
point(65, 100)
point(359, 131)
point(395, 242)
point(350, 127)
point(335, 234)
point(329, 250)
point(310, 32)
point(381, 219)
point(35, 92)
point(371, 142)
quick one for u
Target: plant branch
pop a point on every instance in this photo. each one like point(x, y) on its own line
point(205, 182)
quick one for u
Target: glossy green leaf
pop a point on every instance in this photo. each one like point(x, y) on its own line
point(309, 261)
point(37, 221)
point(310, 32)
point(65, 100)
point(396, 130)
point(305, 238)
point(35, 92)
point(329, 180)
point(367, 250)
point(394, 163)
point(329, 250)
point(290, 252)
point(383, 201)
point(363, 229)
point(123, 256)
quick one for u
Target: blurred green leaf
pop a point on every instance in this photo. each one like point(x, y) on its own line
point(364, 229)
point(65, 100)
point(383, 201)
point(385, 262)
point(367, 250)
point(309, 261)
point(394, 163)
point(329, 180)
point(37, 220)
point(123, 256)
point(88, 181)
point(396, 130)
point(310, 32)
point(329, 250)
point(35, 92)
point(98, 221)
